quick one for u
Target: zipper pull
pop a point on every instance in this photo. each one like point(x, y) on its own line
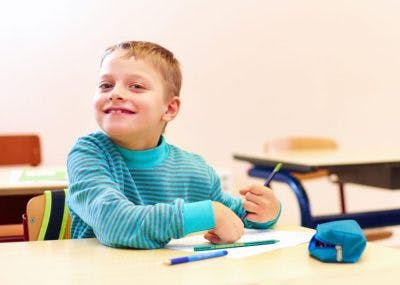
point(339, 253)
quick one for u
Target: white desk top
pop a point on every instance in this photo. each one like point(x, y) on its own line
point(88, 262)
point(330, 157)
point(10, 185)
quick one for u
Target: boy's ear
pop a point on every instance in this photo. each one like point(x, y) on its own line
point(172, 109)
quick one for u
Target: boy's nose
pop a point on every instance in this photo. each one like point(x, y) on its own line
point(117, 94)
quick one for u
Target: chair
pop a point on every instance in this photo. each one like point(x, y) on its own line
point(20, 150)
point(11, 232)
point(307, 143)
point(47, 217)
point(17, 150)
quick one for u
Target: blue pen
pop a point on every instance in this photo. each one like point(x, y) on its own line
point(267, 182)
point(196, 257)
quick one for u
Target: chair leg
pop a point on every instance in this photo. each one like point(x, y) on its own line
point(342, 198)
point(25, 224)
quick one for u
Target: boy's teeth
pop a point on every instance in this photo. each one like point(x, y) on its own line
point(119, 111)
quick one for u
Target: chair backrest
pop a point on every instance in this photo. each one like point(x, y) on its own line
point(20, 149)
point(47, 216)
point(300, 143)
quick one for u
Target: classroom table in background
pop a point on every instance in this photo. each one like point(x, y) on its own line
point(86, 261)
point(379, 168)
point(19, 184)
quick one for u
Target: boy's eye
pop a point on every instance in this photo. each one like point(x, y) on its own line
point(105, 85)
point(137, 86)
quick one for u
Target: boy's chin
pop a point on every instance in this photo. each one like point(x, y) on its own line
point(116, 132)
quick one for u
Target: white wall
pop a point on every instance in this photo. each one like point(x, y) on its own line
point(253, 70)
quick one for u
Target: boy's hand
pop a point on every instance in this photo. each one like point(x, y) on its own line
point(260, 203)
point(228, 227)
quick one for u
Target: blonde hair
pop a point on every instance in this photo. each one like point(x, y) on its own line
point(161, 59)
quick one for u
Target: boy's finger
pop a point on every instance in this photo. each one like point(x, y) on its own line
point(254, 218)
point(211, 233)
point(254, 198)
point(259, 190)
point(244, 191)
point(212, 237)
point(250, 206)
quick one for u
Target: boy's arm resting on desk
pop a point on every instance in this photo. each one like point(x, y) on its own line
point(105, 202)
point(198, 216)
point(99, 207)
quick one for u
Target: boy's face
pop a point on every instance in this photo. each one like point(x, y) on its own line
point(130, 101)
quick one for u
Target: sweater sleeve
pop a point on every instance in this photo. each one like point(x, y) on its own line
point(97, 201)
point(235, 203)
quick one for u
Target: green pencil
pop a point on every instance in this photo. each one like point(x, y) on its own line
point(272, 174)
point(233, 245)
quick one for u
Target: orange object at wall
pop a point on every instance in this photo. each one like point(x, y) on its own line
point(20, 150)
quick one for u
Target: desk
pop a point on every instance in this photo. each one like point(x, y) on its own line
point(86, 261)
point(372, 168)
point(14, 195)
point(10, 187)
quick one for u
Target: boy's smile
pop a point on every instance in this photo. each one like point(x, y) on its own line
point(130, 101)
point(118, 111)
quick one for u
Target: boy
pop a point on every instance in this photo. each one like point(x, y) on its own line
point(127, 186)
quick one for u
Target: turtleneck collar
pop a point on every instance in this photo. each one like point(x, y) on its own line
point(145, 158)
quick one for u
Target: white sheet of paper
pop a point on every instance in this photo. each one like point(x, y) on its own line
point(15, 176)
point(286, 239)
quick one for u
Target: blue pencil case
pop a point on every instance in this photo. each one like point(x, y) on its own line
point(339, 241)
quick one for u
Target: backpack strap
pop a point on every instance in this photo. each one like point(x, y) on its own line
point(55, 215)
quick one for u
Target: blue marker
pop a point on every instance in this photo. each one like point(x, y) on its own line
point(196, 257)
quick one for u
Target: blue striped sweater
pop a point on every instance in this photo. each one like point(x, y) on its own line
point(142, 199)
